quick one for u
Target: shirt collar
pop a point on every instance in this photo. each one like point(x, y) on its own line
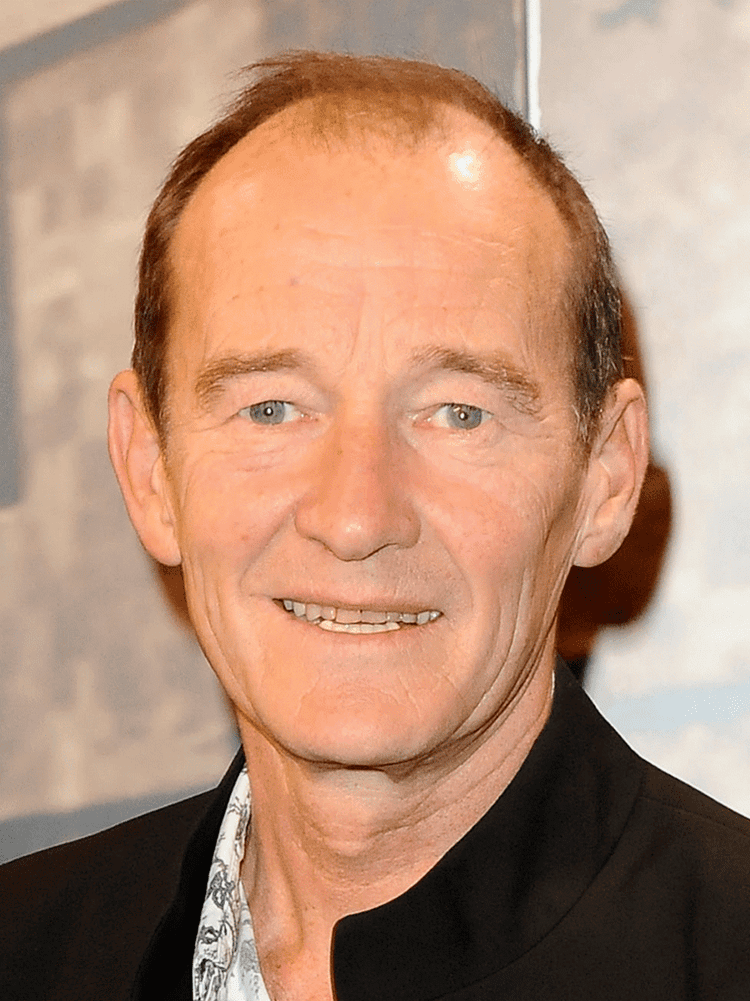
point(225, 961)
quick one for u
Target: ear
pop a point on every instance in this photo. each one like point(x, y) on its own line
point(616, 468)
point(136, 454)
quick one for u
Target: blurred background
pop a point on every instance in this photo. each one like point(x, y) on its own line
point(107, 707)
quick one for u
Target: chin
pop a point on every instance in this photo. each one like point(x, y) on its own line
point(355, 733)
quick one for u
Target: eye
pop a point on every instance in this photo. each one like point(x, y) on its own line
point(462, 416)
point(268, 412)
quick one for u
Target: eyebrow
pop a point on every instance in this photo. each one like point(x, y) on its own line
point(494, 368)
point(213, 376)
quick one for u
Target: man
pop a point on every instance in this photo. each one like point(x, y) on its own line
point(377, 414)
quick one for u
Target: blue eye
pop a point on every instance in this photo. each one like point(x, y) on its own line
point(268, 412)
point(462, 416)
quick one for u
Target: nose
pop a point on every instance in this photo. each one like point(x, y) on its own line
point(358, 502)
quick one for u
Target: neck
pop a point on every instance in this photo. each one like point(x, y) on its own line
point(327, 841)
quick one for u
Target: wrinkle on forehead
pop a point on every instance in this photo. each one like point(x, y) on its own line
point(409, 211)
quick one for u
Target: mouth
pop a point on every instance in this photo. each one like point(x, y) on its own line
point(357, 620)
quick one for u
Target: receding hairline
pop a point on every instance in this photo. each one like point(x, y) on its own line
point(304, 124)
point(392, 124)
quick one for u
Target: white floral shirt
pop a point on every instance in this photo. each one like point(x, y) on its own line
point(225, 961)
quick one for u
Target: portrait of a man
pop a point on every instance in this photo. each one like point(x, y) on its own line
point(377, 411)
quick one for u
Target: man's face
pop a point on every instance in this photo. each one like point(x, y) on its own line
point(372, 470)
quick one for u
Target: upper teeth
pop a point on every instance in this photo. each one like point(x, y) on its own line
point(341, 619)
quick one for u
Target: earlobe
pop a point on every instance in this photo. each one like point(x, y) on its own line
point(136, 454)
point(616, 469)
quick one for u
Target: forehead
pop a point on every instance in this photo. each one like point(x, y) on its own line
point(451, 223)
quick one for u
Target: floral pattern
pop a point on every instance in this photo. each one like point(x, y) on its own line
point(225, 960)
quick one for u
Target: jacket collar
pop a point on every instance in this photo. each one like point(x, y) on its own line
point(166, 968)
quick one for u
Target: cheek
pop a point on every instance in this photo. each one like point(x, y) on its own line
point(506, 532)
point(227, 514)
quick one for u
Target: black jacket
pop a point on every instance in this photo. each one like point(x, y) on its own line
point(594, 876)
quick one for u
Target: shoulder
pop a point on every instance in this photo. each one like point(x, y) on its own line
point(710, 839)
point(694, 807)
point(93, 902)
point(677, 891)
point(102, 855)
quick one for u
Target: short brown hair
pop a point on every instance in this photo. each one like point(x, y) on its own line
point(399, 92)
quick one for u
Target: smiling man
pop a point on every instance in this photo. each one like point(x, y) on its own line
point(376, 414)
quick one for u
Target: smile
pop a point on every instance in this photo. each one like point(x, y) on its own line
point(357, 620)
